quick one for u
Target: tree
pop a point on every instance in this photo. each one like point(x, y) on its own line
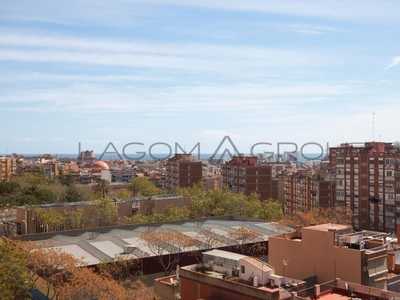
point(102, 185)
point(248, 241)
point(85, 284)
point(9, 187)
point(142, 187)
point(50, 264)
point(270, 210)
point(14, 278)
point(74, 219)
point(123, 193)
point(319, 215)
point(72, 194)
point(66, 278)
point(7, 217)
point(49, 218)
point(168, 246)
point(105, 211)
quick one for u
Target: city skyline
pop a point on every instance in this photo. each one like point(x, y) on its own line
point(192, 72)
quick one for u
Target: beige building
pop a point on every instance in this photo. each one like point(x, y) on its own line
point(331, 251)
point(8, 167)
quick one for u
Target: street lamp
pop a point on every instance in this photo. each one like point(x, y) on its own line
point(26, 227)
point(284, 263)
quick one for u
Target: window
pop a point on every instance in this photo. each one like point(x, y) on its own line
point(242, 269)
point(389, 173)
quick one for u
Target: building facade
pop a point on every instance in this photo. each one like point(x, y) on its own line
point(8, 167)
point(368, 182)
point(304, 192)
point(182, 171)
point(331, 251)
point(242, 174)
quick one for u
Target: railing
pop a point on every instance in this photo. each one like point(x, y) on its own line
point(306, 293)
point(327, 286)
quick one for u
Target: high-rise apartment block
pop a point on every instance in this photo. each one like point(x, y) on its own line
point(368, 182)
point(304, 192)
point(8, 167)
point(242, 174)
point(182, 171)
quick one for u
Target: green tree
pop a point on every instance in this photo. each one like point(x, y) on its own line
point(50, 218)
point(44, 196)
point(142, 187)
point(102, 186)
point(105, 211)
point(74, 219)
point(7, 188)
point(123, 193)
point(14, 278)
point(72, 194)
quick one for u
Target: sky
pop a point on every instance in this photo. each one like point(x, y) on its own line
point(176, 72)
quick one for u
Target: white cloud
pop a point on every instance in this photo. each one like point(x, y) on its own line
point(305, 31)
point(26, 139)
point(357, 10)
point(395, 62)
point(60, 139)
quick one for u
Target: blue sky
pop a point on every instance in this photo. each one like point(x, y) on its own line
point(195, 71)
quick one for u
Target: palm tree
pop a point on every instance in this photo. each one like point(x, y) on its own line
point(102, 185)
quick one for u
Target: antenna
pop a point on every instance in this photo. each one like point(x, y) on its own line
point(373, 126)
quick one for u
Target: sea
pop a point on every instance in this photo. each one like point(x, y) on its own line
point(303, 158)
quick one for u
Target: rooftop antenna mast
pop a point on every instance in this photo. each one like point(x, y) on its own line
point(373, 127)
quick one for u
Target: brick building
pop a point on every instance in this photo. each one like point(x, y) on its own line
point(368, 182)
point(8, 167)
point(304, 192)
point(182, 171)
point(28, 223)
point(243, 174)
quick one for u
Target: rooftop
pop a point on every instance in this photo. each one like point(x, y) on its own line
point(104, 244)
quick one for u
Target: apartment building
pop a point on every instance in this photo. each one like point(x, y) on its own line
point(243, 174)
point(305, 191)
point(8, 167)
point(328, 251)
point(368, 182)
point(182, 171)
point(227, 275)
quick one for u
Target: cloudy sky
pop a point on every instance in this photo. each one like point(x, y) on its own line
point(190, 71)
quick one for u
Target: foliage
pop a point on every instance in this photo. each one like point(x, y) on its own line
point(72, 194)
point(49, 217)
point(122, 193)
point(223, 202)
point(246, 240)
point(7, 188)
point(320, 215)
point(105, 211)
point(67, 278)
point(142, 187)
point(119, 268)
point(172, 213)
point(50, 264)
point(168, 246)
point(74, 219)
point(68, 219)
point(102, 186)
point(14, 279)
